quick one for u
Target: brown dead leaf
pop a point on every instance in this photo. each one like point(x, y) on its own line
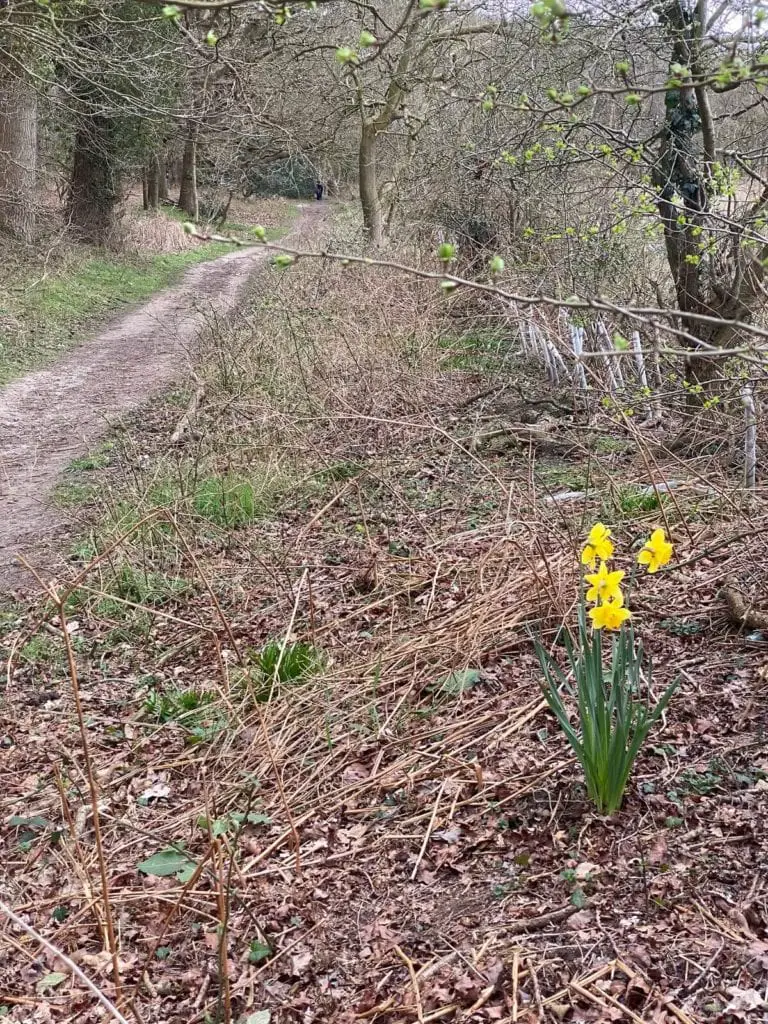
point(658, 852)
point(354, 774)
point(586, 870)
point(581, 919)
point(300, 962)
point(744, 1000)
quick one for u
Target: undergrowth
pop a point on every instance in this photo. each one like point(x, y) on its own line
point(307, 675)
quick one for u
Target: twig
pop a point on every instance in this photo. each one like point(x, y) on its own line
point(105, 1002)
point(268, 741)
point(209, 588)
point(222, 899)
point(536, 990)
point(286, 950)
point(481, 1000)
point(515, 976)
point(701, 976)
point(428, 833)
point(154, 946)
point(92, 786)
point(717, 924)
point(414, 983)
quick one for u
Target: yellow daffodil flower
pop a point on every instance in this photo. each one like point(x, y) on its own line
point(656, 552)
point(604, 585)
point(598, 546)
point(611, 615)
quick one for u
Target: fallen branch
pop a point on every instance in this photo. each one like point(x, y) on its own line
point(742, 612)
point(531, 924)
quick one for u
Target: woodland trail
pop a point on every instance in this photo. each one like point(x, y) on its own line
point(52, 416)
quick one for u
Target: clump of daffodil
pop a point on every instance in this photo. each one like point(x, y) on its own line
point(613, 718)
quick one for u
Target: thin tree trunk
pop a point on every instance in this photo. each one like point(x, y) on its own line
point(153, 183)
point(145, 188)
point(188, 200)
point(373, 222)
point(162, 179)
point(18, 156)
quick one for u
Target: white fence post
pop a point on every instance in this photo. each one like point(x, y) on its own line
point(615, 379)
point(577, 344)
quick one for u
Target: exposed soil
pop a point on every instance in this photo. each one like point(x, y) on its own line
point(52, 416)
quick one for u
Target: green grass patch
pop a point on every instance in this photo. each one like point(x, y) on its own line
point(100, 458)
point(127, 588)
point(274, 668)
point(232, 501)
point(233, 227)
point(41, 650)
point(554, 474)
point(631, 501)
point(195, 711)
point(71, 493)
point(339, 472)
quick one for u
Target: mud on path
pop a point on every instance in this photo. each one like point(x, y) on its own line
point(50, 417)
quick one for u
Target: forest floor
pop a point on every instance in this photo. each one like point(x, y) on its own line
point(329, 789)
point(53, 416)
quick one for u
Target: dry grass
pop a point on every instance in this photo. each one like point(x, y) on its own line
point(146, 232)
point(447, 866)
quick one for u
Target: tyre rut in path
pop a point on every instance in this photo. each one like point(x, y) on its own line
point(50, 417)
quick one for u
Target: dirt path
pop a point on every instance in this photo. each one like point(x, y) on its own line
point(49, 418)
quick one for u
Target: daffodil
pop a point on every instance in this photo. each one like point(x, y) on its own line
point(598, 546)
point(656, 552)
point(611, 615)
point(604, 584)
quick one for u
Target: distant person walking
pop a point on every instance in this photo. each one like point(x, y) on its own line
point(319, 189)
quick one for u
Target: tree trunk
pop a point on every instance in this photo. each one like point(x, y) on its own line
point(18, 156)
point(153, 183)
point(188, 201)
point(94, 186)
point(373, 222)
point(145, 188)
point(162, 179)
